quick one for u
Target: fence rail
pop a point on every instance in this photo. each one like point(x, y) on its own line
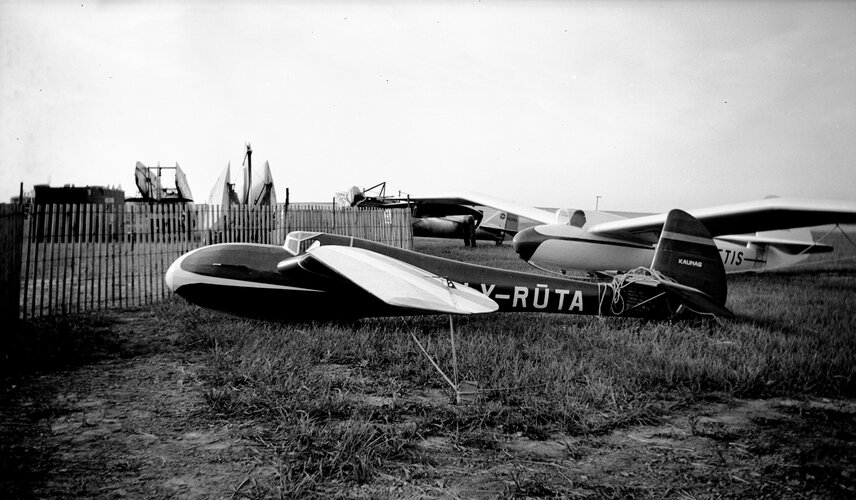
point(77, 258)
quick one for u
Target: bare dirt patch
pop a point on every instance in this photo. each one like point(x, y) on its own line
point(743, 449)
point(137, 423)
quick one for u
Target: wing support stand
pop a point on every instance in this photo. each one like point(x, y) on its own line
point(465, 391)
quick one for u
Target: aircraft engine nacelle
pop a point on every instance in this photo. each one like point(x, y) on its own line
point(462, 226)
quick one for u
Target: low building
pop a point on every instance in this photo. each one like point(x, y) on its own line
point(47, 195)
point(60, 214)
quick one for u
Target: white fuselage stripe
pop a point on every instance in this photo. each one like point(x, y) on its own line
point(698, 240)
point(182, 277)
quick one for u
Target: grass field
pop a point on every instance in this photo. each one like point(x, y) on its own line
point(763, 405)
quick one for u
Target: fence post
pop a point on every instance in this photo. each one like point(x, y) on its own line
point(11, 249)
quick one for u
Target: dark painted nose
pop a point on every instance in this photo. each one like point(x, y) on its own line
point(527, 241)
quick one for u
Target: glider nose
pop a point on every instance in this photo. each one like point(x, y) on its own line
point(169, 278)
point(526, 242)
point(172, 278)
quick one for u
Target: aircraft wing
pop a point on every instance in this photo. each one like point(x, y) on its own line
point(738, 218)
point(484, 200)
point(401, 284)
point(181, 184)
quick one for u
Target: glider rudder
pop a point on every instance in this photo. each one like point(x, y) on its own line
point(686, 253)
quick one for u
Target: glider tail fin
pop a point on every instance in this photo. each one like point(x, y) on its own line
point(511, 222)
point(507, 222)
point(500, 224)
point(687, 254)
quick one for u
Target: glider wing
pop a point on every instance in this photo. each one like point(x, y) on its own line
point(400, 284)
point(738, 218)
point(480, 199)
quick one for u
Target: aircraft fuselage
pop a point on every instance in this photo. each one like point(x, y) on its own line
point(268, 282)
point(568, 248)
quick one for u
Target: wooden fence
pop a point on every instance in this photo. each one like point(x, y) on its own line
point(77, 258)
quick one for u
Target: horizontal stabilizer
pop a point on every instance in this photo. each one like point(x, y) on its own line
point(697, 301)
point(400, 284)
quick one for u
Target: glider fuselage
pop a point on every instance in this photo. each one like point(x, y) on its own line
point(559, 246)
point(269, 282)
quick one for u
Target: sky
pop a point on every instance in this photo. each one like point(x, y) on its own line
point(648, 105)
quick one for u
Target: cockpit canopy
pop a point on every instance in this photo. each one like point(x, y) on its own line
point(576, 218)
point(298, 242)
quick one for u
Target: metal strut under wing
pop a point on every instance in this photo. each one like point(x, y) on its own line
point(790, 247)
point(400, 284)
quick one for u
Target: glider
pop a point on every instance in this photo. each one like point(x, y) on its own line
point(324, 276)
point(598, 241)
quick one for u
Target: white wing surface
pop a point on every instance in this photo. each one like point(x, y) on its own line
point(181, 184)
point(262, 190)
point(738, 218)
point(220, 192)
point(401, 284)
